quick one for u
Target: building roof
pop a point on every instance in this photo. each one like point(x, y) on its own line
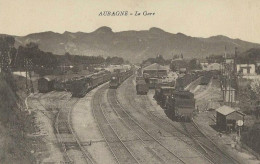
point(225, 110)
point(156, 66)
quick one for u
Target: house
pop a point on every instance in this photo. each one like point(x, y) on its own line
point(229, 60)
point(203, 62)
point(246, 69)
point(156, 71)
point(227, 117)
point(212, 67)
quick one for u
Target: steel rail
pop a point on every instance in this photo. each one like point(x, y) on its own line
point(115, 134)
point(119, 104)
point(102, 133)
point(87, 156)
point(158, 122)
point(154, 152)
point(196, 140)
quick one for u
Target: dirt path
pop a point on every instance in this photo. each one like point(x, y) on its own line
point(44, 120)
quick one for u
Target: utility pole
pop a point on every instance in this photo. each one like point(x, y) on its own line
point(26, 76)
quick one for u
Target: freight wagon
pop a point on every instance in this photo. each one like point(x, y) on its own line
point(80, 87)
point(162, 94)
point(206, 78)
point(141, 87)
point(180, 105)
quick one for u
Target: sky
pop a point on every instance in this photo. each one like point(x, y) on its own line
point(197, 18)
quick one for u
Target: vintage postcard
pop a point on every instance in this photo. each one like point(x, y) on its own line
point(133, 81)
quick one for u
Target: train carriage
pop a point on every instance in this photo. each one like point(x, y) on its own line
point(81, 86)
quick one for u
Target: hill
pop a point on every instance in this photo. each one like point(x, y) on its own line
point(133, 45)
point(250, 56)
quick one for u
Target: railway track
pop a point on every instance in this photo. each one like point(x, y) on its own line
point(119, 150)
point(199, 145)
point(36, 100)
point(140, 130)
point(216, 154)
point(66, 134)
point(201, 142)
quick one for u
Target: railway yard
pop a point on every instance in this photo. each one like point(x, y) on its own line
point(116, 125)
point(80, 87)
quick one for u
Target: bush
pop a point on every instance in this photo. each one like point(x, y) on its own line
point(251, 138)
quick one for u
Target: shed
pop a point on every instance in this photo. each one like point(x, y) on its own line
point(156, 70)
point(226, 118)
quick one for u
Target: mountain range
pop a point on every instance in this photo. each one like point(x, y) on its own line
point(134, 46)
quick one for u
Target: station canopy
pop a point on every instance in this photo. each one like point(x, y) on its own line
point(156, 66)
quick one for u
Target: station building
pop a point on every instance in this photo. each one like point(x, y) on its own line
point(156, 71)
point(227, 117)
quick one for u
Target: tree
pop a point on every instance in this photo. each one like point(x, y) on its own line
point(75, 69)
point(159, 59)
point(7, 53)
point(193, 64)
point(114, 60)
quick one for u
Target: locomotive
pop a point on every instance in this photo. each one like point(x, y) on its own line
point(180, 105)
point(118, 77)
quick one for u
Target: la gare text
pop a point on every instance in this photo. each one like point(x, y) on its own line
point(126, 13)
